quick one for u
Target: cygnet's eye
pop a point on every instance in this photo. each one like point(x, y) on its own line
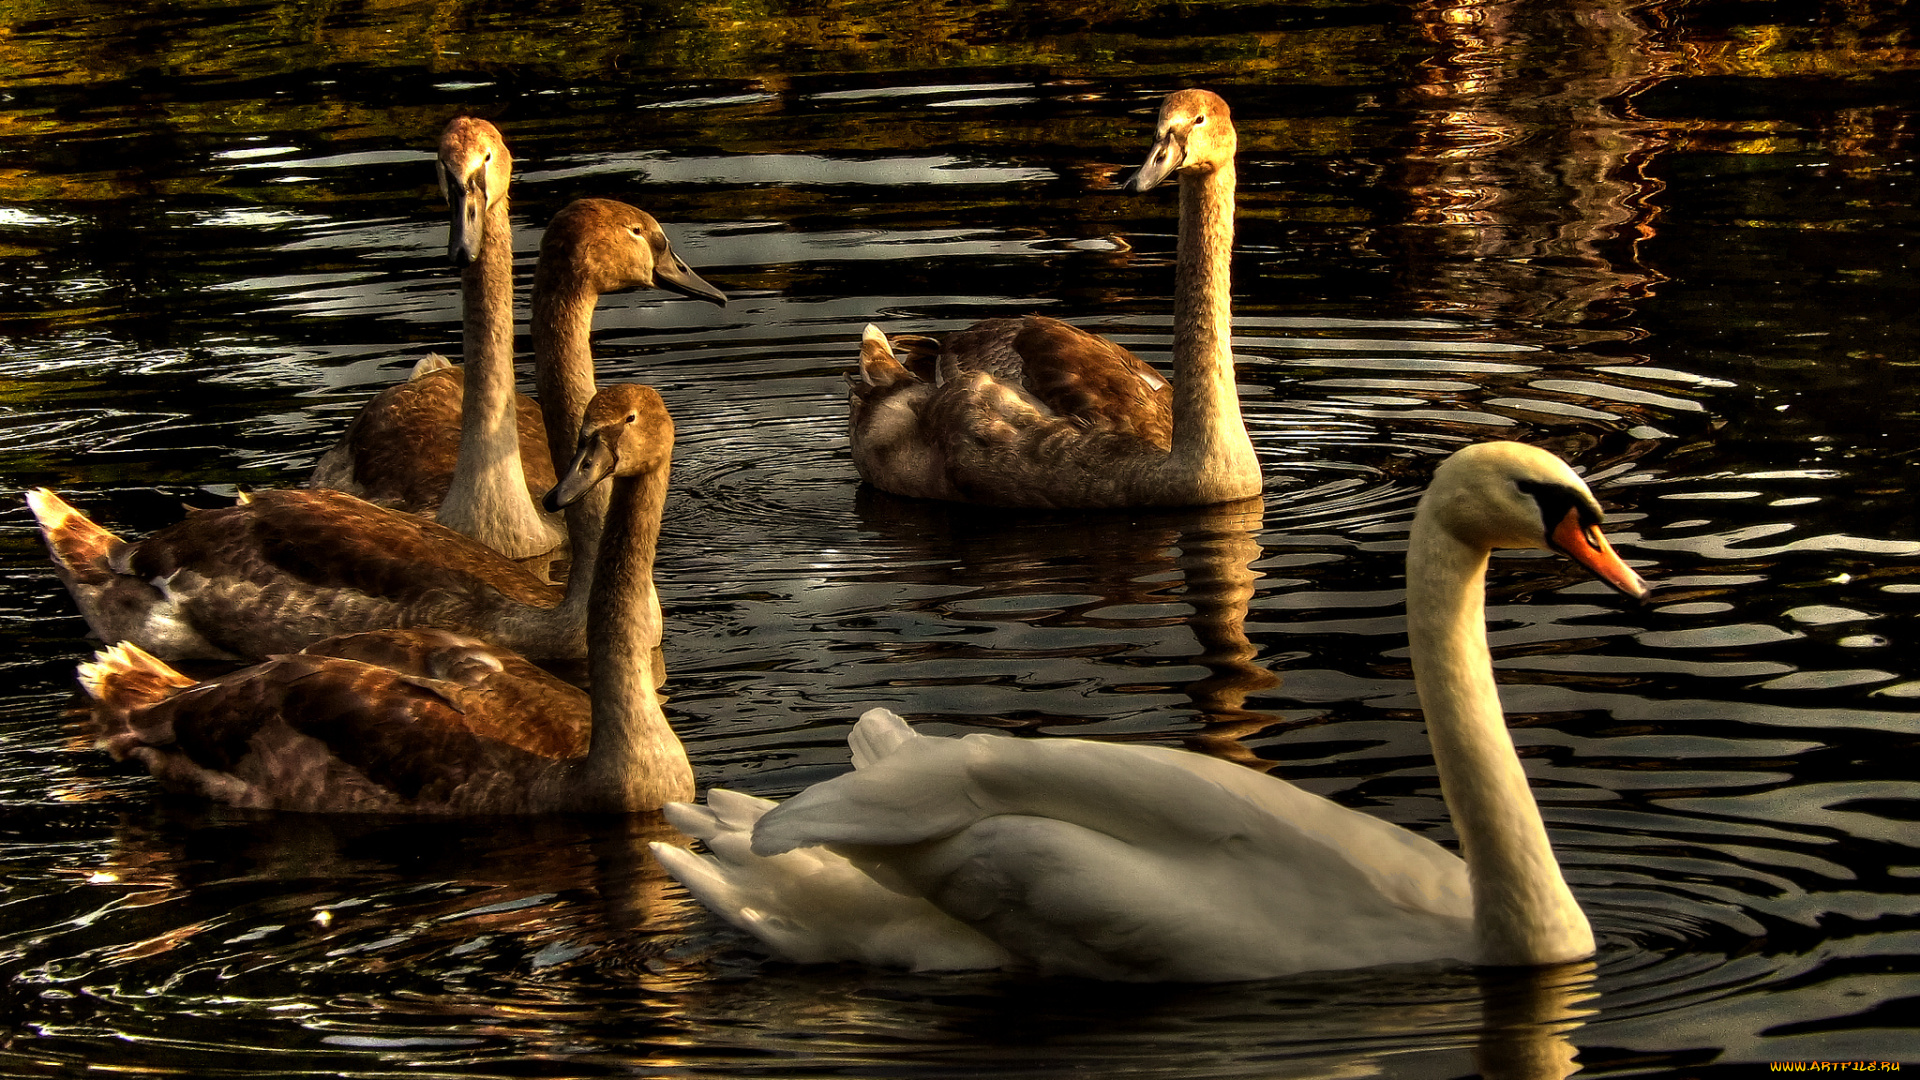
point(1199, 120)
point(633, 418)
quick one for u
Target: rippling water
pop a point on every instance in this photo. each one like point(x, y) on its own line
point(1673, 241)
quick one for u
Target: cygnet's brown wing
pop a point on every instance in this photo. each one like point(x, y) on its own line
point(321, 733)
point(328, 539)
point(1076, 374)
point(401, 449)
point(288, 567)
point(510, 699)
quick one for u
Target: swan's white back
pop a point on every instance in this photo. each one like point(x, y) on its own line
point(1102, 860)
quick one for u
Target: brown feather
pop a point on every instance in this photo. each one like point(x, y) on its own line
point(331, 540)
point(918, 353)
point(81, 550)
point(400, 450)
point(423, 721)
point(1076, 374)
point(1093, 381)
point(322, 733)
point(285, 568)
point(1032, 412)
point(505, 696)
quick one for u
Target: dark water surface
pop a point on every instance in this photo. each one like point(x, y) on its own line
point(1673, 241)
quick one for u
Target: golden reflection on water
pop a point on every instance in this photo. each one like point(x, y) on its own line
point(1531, 185)
point(1527, 1020)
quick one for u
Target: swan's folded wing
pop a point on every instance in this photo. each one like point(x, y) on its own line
point(1113, 861)
point(500, 694)
point(917, 792)
point(811, 906)
point(930, 789)
point(291, 540)
point(400, 449)
point(326, 537)
point(878, 734)
point(1094, 380)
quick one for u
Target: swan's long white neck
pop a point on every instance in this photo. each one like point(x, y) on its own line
point(488, 498)
point(1523, 911)
point(1210, 442)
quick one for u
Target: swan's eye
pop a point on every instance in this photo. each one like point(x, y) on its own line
point(636, 231)
point(1199, 120)
point(633, 418)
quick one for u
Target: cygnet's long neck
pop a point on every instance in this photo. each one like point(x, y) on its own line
point(562, 325)
point(488, 497)
point(562, 328)
point(634, 760)
point(1210, 442)
point(1523, 911)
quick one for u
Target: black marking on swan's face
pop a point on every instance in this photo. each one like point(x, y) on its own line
point(1557, 500)
point(1570, 520)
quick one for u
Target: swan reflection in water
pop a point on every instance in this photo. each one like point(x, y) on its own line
point(1160, 586)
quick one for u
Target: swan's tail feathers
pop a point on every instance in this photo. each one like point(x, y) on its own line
point(82, 551)
point(919, 354)
point(879, 368)
point(127, 672)
point(118, 603)
point(879, 733)
point(726, 813)
point(124, 680)
point(429, 364)
point(811, 906)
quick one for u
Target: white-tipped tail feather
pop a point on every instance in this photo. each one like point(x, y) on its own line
point(812, 906)
point(429, 364)
point(97, 676)
point(878, 366)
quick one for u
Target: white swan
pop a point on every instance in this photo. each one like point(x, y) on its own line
point(1033, 412)
point(428, 722)
point(1117, 861)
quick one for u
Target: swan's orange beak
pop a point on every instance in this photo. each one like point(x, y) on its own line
point(1586, 545)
